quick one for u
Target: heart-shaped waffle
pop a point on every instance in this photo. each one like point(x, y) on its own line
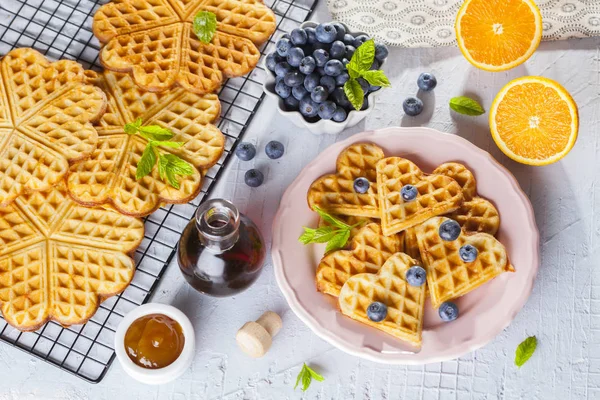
point(335, 193)
point(405, 303)
point(435, 194)
point(448, 275)
point(46, 111)
point(369, 251)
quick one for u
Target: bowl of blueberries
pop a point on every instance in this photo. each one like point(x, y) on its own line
point(307, 72)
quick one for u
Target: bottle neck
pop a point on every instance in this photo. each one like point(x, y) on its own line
point(218, 223)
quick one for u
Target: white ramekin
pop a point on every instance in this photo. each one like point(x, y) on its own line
point(160, 375)
point(320, 127)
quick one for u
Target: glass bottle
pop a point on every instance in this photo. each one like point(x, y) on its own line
point(221, 252)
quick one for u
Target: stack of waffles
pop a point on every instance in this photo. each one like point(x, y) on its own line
point(398, 221)
point(71, 201)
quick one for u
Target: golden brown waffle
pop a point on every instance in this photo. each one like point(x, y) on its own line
point(370, 250)
point(335, 193)
point(59, 260)
point(360, 222)
point(405, 303)
point(154, 40)
point(45, 114)
point(108, 177)
point(437, 194)
point(448, 276)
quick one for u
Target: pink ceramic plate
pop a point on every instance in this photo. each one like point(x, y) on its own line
point(484, 312)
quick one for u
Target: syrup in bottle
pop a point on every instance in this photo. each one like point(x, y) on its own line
point(221, 252)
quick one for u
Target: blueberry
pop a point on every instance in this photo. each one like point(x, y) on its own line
point(321, 71)
point(408, 192)
point(311, 35)
point(340, 29)
point(291, 103)
point(307, 65)
point(334, 67)
point(245, 151)
point(321, 57)
point(254, 178)
point(360, 39)
point(377, 311)
point(381, 52)
point(374, 88)
point(340, 115)
point(426, 82)
point(274, 149)
point(342, 78)
point(283, 90)
point(412, 106)
point(282, 68)
point(295, 56)
point(363, 84)
point(327, 109)
point(311, 81)
point(416, 276)
point(283, 46)
point(338, 50)
point(308, 107)
point(272, 60)
point(298, 92)
point(345, 61)
point(348, 39)
point(350, 51)
point(285, 36)
point(299, 36)
point(468, 253)
point(361, 185)
point(365, 104)
point(326, 33)
point(294, 78)
point(448, 311)
point(319, 94)
point(375, 66)
point(328, 82)
point(449, 230)
point(339, 97)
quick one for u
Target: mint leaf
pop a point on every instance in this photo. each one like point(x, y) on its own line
point(525, 350)
point(144, 166)
point(323, 234)
point(132, 127)
point(162, 167)
point(363, 57)
point(306, 375)
point(465, 105)
point(376, 78)
point(155, 132)
point(174, 145)
point(330, 219)
point(338, 241)
point(205, 26)
point(170, 166)
point(308, 235)
point(354, 93)
point(314, 375)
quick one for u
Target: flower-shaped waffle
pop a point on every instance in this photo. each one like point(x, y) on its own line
point(45, 114)
point(336, 194)
point(109, 176)
point(59, 260)
point(405, 303)
point(155, 41)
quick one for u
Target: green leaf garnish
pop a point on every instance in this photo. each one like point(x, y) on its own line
point(376, 78)
point(338, 241)
point(155, 132)
point(363, 57)
point(336, 235)
point(205, 26)
point(174, 145)
point(144, 166)
point(330, 219)
point(306, 375)
point(465, 105)
point(171, 165)
point(354, 93)
point(525, 350)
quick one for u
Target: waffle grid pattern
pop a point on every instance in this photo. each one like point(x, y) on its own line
point(62, 29)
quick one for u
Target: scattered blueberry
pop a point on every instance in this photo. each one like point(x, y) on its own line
point(326, 33)
point(299, 37)
point(350, 51)
point(283, 46)
point(338, 50)
point(377, 311)
point(295, 56)
point(340, 29)
point(339, 97)
point(308, 107)
point(360, 39)
point(448, 311)
point(254, 178)
point(311, 81)
point(468, 253)
point(381, 52)
point(327, 109)
point(321, 57)
point(245, 151)
point(412, 106)
point(319, 94)
point(334, 67)
point(361, 185)
point(340, 115)
point(449, 230)
point(426, 82)
point(294, 78)
point(409, 192)
point(311, 35)
point(272, 60)
point(274, 149)
point(375, 66)
point(328, 82)
point(416, 276)
point(342, 78)
point(307, 65)
point(282, 68)
point(291, 103)
point(348, 39)
point(282, 89)
point(298, 92)
point(285, 36)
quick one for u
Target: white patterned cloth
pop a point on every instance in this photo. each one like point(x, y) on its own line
point(430, 23)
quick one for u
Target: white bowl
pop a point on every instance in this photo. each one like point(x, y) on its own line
point(322, 126)
point(160, 375)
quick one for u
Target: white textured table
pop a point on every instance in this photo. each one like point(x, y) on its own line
point(563, 310)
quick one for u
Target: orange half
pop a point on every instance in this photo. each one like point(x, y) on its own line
point(534, 120)
point(496, 35)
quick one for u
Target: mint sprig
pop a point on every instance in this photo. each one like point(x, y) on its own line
point(465, 105)
point(358, 67)
point(205, 26)
point(525, 350)
point(169, 165)
point(306, 375)
point(336, 235)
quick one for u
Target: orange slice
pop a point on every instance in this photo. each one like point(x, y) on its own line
point(496, 35)
point(534, 120)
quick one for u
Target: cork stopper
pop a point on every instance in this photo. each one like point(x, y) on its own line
point(255, 337)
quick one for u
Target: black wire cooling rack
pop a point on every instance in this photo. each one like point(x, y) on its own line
point(62, 29)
